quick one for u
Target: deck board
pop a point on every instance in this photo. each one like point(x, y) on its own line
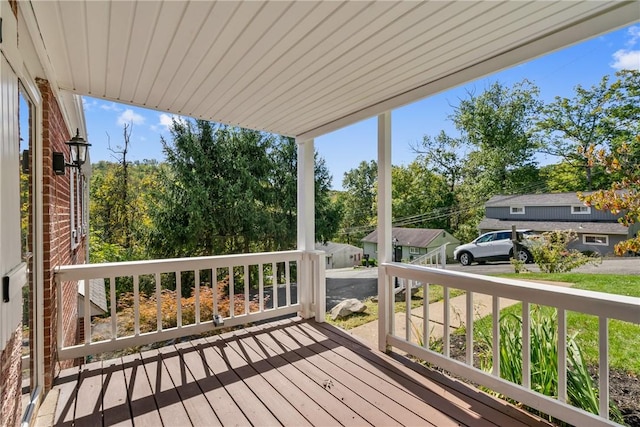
point(285, 386)
point(143, 408)
point(172, 411)
point(226, 410)
point(195, 403)
point(115, 403)
point(89, 405)
point(66, 384)
point(252, 407)
point(344, 387)
point(289, 372)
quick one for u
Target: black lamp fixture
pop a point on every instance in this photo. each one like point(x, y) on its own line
point(78, 148)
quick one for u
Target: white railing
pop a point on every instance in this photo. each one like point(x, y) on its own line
point(258, 286)
point(434, 258)
point(603, 306)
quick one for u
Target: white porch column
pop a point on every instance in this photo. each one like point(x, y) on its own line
point(306, 222)
point(384, 228)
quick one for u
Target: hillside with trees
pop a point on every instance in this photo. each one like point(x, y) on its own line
point(224, 190)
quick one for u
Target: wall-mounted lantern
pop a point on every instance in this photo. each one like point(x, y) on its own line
point(78, 148)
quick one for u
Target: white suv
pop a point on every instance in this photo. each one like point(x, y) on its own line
point(493, 246)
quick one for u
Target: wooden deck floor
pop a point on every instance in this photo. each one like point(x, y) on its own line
point(291, 372)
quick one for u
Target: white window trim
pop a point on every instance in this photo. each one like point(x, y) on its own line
point(587, 212)
point(511, 210)
point(414, 250)
point(606, 239)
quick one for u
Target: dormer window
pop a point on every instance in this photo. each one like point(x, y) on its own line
point(580, 210)
point(517, 210)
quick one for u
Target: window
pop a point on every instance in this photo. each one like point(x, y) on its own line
point(486, 238)
point(580, 210)
point(504, 235)
point(595, 239)
point(517, 210)
point(414, 250)
point(375, 248)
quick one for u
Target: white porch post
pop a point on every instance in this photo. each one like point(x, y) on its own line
point(306, 223)
point(384, 228)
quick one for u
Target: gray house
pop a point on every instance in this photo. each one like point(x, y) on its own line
point(598, 230)
point(340, 255)
point(410, 243)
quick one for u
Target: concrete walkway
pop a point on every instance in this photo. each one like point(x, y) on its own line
point(482, 306)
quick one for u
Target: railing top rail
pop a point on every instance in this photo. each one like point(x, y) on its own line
point(93, 271)
point(589, 302)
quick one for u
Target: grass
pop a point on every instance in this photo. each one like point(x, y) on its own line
point(436, 294)
point(624, 337)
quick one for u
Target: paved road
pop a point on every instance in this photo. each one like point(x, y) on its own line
point(363, 283)
point(608, 266)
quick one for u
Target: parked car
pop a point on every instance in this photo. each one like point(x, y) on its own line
point(494, 246)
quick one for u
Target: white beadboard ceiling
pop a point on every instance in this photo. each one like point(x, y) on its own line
point(301, 68)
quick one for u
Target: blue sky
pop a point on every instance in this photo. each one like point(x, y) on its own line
point(555, 74)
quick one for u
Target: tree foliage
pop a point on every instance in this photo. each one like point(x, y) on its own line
point(624, 195)
point(597, 118)
point(231, 190)
point(359, 200)
point(498, 125)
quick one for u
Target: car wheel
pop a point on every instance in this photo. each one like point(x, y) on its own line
point(465, 258)
point(524, 256)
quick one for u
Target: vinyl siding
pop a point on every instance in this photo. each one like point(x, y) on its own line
point(550, 213)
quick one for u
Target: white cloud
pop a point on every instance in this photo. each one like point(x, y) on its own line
point(111, 106)
point(634, 33)
point(130, 117)
point(88, 105)
point(166, 121)
point(626, 59)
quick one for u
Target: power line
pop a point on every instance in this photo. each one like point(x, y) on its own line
point(445, 212)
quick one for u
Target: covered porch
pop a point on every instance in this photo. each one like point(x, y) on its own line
point(289, 372)
point(301, 69)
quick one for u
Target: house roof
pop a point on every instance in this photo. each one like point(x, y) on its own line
point(543, 199)
point(301, 68)
point(417, 237)
point(333, 247)
point(580, 227)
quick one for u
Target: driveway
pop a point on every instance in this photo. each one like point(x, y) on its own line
point(362, 283)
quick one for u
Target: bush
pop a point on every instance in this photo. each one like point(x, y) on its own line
point(544, 359)
point(550, 252)
point(169, 308)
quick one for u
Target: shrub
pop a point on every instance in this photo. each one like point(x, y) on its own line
point(544, 359)
point(550, 252)
point(169, 308)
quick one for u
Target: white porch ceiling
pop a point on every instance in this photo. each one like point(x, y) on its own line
point(300, 68)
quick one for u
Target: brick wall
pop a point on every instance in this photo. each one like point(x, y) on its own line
point(57, 236)
point(11, 381)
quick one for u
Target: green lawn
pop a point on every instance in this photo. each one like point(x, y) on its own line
point(624, 337)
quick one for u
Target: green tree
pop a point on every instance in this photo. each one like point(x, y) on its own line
point(213, 191)
point(419, 197)
point(359, 200)
point(231, 190)
point(601, 117)
point(498, 126)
